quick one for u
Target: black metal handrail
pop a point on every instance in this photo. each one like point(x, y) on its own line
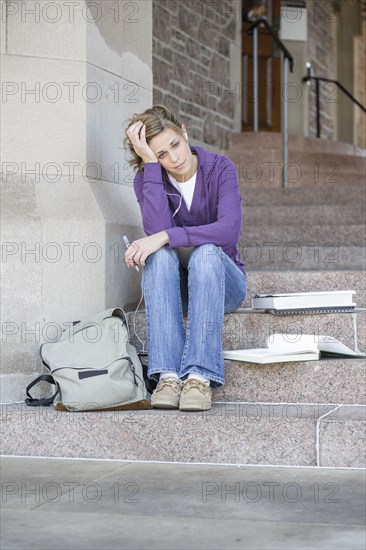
point(277, 40)
point(319, 79)
point(288, 62)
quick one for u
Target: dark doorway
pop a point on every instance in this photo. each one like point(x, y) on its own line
point(269, 67)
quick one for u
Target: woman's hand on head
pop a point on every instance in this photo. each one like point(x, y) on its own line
point(139, 250)
point(137, 136)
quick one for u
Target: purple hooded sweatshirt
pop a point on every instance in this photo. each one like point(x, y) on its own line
point(215, 216)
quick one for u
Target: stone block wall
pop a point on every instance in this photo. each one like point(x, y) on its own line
point(322, 54)
point(196, 65)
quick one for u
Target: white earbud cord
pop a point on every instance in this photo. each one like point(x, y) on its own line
point(134, 325)
point(142, 294)
point(180, 201)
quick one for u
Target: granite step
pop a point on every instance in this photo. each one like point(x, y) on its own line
point(329, 380)
point(311, 161)
point(268, 170)
point(342, 441)
point(251, 330)
point(245, 329)
point(302, 215)
point(254, 177)
point(318, 162)
point(310, 195)
point(308, 235)
point(231, 433)
point(273, 140)
point(290, 255)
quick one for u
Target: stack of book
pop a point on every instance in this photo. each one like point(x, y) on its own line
point(336, 301)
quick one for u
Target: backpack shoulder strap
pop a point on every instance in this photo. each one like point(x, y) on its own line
point(43, 402)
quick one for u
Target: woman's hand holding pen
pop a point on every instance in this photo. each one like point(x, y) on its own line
point(137, 136)
point(139, 250)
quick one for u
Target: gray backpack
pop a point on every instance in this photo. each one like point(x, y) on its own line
point(94, 367)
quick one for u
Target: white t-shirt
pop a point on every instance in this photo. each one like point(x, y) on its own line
point(186, 188)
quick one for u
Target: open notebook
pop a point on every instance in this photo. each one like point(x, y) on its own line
point(293, 347)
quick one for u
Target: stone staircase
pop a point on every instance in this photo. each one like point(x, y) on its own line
point(318, 223)
point(312, 161)
point(302, 414)
point(308, 228)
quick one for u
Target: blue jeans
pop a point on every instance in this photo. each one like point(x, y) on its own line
point(211, 286)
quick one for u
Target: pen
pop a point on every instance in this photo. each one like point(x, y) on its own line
point(127, 243)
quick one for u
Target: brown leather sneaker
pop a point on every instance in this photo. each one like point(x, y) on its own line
point(166, 394)
point(195, 396)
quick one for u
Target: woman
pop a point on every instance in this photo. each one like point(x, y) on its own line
point(191, 211)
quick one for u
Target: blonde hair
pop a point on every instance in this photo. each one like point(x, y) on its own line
point(156, 120)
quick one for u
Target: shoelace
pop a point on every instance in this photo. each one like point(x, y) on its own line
point(192, 383)
point(170, 382)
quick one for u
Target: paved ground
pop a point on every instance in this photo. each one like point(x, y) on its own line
point(84, 504)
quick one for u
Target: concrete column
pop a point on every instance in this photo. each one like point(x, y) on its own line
point(72, 73)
